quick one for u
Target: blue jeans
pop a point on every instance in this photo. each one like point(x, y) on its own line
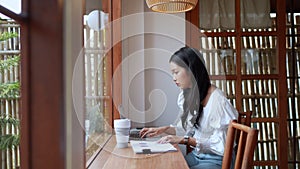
point(205, 161)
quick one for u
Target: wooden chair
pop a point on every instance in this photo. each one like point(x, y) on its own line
point(245, 119)
point(245, 150)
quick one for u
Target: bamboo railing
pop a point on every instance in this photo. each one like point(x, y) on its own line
point(9, 107)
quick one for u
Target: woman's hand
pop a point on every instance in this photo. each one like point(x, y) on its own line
point(171, 139)
point(151, 132)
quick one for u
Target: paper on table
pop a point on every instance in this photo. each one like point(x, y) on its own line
point(147, 147)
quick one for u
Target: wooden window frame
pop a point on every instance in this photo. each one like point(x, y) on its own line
point(43, 116)
point(114, 60)
point(42, 126)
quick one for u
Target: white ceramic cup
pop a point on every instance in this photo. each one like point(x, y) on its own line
point(122, 128)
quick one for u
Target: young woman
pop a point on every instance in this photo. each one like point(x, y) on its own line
point(205, 112)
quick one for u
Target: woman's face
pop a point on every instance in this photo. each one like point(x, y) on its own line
point(181, 76)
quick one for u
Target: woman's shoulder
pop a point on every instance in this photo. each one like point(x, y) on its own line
point(219, 99)
point(218, 91)
point(221, 111)
point(217, 94)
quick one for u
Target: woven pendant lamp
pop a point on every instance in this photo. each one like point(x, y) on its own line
point(171, 6)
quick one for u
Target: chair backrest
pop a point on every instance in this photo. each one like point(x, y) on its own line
point(245, 118)
point(245, 150)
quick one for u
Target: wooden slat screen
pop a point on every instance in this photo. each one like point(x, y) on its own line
point(293, 82)
point(248, 74)
point(258, 95)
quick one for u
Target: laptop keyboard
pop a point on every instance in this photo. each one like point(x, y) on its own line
point(135, 135)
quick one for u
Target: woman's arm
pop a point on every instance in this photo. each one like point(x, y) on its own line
point(151, 132)
point(178, 140)
point(191, 142)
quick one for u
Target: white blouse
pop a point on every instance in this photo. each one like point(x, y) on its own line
point(211, 133)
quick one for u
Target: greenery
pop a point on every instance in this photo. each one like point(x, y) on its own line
point(4, 120)
point(8, 91)
point(96, 120)
point(9, 62)
point(7, 35)
point(9, 140)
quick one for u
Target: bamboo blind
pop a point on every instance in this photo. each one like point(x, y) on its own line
point(10, 158)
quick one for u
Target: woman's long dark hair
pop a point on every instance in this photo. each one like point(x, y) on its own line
point(189, 59)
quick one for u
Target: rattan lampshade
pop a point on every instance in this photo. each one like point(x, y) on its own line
point(171, 6)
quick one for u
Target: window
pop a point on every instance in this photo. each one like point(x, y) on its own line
point(9, 92)
point(101, 58)
point(97, 65)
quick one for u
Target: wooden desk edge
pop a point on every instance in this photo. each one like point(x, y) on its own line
point(106, 153)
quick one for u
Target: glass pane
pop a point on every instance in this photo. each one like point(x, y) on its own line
point(293, 84)
point(266, 149)
point(259, 55)
point(219, 55)
point(260, 96)
point(257, 16)
point(96, 64)
point(291, 64)
point(293, 141)
point(10, 93)
point(217, 16)
point(297, 30)
point(13, 5)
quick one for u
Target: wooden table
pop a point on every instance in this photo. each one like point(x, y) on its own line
point(112, 157)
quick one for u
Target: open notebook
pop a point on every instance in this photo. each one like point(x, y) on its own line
point(149, 147)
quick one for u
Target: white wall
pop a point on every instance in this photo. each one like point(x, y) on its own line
point(148, 41)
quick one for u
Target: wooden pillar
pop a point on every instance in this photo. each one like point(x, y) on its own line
point(282, 85)
point(43, 134)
